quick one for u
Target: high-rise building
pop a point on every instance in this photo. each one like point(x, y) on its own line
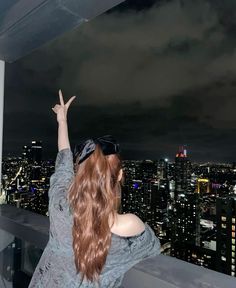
point(184, 210)
point(162, 169)
point(36, 151)
point(182, 172)
point(148, 170)
point(144, 195)
point(159, 203)
point(36, 158)
point(225, 237)
point(133, 186)
point(185, 228)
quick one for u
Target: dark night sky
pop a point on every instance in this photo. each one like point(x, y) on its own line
point(155, 76)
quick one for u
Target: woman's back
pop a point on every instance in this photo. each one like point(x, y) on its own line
point(85, 248)
point(131, 239)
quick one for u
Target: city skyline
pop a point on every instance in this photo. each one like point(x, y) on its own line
point(191, 208)
point(155, 77)
point(168, 158)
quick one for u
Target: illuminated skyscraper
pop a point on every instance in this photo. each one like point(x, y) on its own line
point(132, 188)
point(36, 151)
point(138, 192)
point(159, 202)
point(225, 239)
point(148, 170)
point(185, 230)
point(185, 210)
point(36, 158)
point(162, 169)
point(182, 172)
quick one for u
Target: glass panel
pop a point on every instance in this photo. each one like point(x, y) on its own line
point(18, 260)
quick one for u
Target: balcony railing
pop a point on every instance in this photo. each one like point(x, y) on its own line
point(23, 236)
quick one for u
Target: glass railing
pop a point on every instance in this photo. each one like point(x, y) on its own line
point(23, 236)
point(18, 260)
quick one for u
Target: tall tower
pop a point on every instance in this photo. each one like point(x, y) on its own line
point(148, 170)
point(225, 237)
point(36, 158)
point(36, 151)
point(185, 213)
point(182, 172)
point(159, 203)
point(162, 169)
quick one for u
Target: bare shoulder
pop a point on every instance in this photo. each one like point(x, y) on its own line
point(128, 225)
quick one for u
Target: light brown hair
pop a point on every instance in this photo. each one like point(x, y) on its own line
point(94, 197)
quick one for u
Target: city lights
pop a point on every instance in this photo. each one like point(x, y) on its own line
point(191, 207)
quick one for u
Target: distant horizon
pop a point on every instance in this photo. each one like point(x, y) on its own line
point(52, 156)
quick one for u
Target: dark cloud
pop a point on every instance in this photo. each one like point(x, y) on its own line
point(155, 76)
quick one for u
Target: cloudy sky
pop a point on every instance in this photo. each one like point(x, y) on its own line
point(155, 76)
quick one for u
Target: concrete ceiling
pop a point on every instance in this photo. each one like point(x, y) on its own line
point(27, 24)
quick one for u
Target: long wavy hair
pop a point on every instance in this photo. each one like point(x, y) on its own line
point(94, 197)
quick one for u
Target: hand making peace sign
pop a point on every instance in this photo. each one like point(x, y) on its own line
point(61, 109)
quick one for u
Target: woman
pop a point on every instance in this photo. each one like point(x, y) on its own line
point(90, 244)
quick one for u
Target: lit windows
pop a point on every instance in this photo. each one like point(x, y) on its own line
point(223, 258)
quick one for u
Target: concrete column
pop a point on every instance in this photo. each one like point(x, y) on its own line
point(2, 73)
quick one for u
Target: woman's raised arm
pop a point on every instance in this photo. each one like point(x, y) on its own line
point(61, 111)
point(64, 170)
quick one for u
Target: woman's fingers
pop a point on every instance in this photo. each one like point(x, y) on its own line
point(55, 108)
point(62, 105)
point(61, 98)
point(70, 101)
